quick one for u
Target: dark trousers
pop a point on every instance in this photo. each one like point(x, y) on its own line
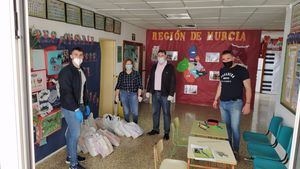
point(161, 102)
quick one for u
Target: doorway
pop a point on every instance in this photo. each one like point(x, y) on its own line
point(107, 76)
point(134, 51)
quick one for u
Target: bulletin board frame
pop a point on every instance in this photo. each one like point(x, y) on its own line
point(83, 17)
point(109, 24)
point(99, 16)
point(291, 77)
point(62, 7)
point(76, 19)
point(42, 13)
point(117, 27)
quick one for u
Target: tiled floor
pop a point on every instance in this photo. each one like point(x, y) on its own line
point(138, 153)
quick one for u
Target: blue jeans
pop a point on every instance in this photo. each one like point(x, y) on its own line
point(158, 102)
point(130, 104)
point(231, 115)
point(72, 135)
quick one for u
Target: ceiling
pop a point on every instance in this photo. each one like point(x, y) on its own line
point(204, 14)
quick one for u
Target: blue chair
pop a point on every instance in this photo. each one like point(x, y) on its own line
point(262, 138)
point(268, 152)
point(260, 163)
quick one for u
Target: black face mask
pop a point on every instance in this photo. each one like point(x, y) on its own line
point(228, 64)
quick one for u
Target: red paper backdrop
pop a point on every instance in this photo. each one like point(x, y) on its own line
point(205, 41)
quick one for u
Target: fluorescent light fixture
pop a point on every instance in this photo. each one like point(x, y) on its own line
point(187, 26)
point(178, 16)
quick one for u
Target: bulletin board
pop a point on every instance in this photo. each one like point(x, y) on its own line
point(49, 55)
point(199, 58)
point(291, 74)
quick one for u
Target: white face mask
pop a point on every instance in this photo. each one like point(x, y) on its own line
point(161, 60)
point(128, 67)
point(77, 61)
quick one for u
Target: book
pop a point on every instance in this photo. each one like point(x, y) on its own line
point(202, 153)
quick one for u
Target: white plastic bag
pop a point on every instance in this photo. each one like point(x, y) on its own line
point(99, 123)
point(122, 126)
point(114, 140)
point(112, 123)
point(84, 131)
point(103, 147)
point(90, 121)
point(109, 145)
point(92, 145)
point(134, 129)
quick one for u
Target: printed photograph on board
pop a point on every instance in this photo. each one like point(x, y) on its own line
point(190, 89)
point(214, 75)
point(212, 57)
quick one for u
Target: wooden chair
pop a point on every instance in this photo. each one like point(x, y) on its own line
point(166, 163)
point(178, 139)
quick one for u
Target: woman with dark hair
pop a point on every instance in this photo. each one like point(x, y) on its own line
point(129, 90)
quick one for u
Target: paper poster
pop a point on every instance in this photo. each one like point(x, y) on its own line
point(38, 80)
point(35, 98)
point(191, 70)
point(54, 62)
point(295, 21)
point(43, 141)
point(183, 65)
point(192, 52)
point(240, 54)
point(45, 108)
point(38, 59)
point(49, 124)
point(212, 57)
point(196, 69)
point(291, 77)
point(35, 109)
point(53, 98)
point(155, 50)
point(190, 89)
point(214, 75)
point(35, 104)
point(172, 55)
point(66, 57)
point(202, 153)
point(43, 95)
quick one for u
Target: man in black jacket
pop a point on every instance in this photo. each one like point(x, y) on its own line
point(162, 86)
point(74, 104)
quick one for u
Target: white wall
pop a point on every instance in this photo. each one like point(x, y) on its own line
point(61, 28)
point(280, 110)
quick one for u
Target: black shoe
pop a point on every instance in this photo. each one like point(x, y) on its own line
point(152, 132)
point(166, 137)
point(79, 158)
point(248, 158)
point(78, 166)
point(236, 155)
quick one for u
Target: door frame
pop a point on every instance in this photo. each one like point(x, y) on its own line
point(141, 68)
point(102, 85)
point(125, 42)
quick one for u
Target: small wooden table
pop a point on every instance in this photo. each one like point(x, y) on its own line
point(221, 149)
point(217, 132)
